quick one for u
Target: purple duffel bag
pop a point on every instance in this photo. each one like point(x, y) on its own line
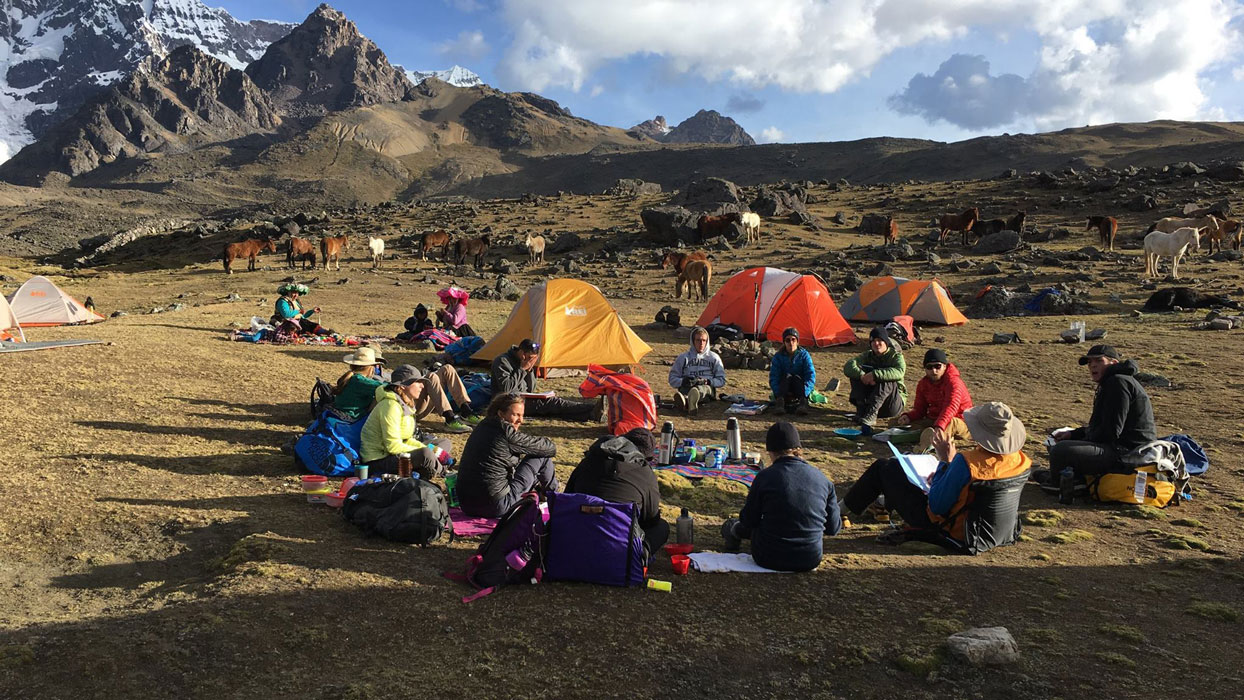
point(594, 541)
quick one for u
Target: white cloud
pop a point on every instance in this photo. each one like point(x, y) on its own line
point(597, 90)
point(770, 134)
point(469, 45)
point(1237, 73)
point(1103, 61)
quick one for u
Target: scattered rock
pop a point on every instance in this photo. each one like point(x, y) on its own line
point(1000, 242)
point(1153, 379)
point(839, 218)
point(565, 243)
point(1006, 338)
point(670, 225)
point(118, 314)
point(984, 646)
point(872, 224)
point(1095, 334)
point(507, 289)
point(991, 269)
point(633, 188)
point(233, 296)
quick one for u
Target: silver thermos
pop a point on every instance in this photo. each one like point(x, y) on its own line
point(734, 440)
point(665, 453)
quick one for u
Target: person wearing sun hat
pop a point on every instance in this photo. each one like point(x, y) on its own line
point(999, 437)
point(792, 377)
point(356, 389)
point(790, 508)
point(877, 388)
point(290, 317)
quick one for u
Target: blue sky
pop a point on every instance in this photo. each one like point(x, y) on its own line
point(827, 70)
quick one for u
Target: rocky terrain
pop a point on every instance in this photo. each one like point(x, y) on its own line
point(707, 126)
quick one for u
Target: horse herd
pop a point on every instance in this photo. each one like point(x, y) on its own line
point(331, 248)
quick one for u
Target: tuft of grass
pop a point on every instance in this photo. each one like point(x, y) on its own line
point(1044, 636)
point(15, 655)
point(1043, 518)
point(1188, 522)
point(1145, 513)
point(1125, 633)
point(916, 547)
point(1069, 537)
point(1213, 611)
point(1043, 557)
point(943, 627)
point(1185, 542)
point(1115, 659)
point(256, 547)
point(919, 665)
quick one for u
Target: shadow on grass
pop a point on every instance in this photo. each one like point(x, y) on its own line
point(237, 436)
point(260, 462)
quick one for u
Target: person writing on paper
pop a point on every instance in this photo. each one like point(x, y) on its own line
point(791, 374)
point(616, 469)
point(697, 374)
point(939, 503)
point(941, 399)
point(1122, 420)
point(790, 507)
point(877, 389)
point(514, 372)
point(390, 430)
point(499, 464)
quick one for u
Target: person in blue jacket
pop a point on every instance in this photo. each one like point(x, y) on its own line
point(791, 374)
point(790, 507)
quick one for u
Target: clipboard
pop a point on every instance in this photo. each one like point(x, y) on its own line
point(918, 468)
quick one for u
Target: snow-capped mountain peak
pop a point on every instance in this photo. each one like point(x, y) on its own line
point(456, 75)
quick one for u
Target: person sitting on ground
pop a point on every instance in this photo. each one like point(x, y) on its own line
point(791, 374)
point(790, 507)
point(514, 372)
point(999, 455)
point(697, 374)
point(941, 399)
point(416, 323)
point(1122, 420)
point(499, 464)
point(355, 391)
point(454, 316)
point(390, 430)
point(289, 316)
point(877, 389)
point(438, 386)
point(616, 469)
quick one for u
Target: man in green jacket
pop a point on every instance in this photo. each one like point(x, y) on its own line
point(877, 389)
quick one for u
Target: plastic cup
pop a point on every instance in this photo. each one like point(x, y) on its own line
point(681, 564)
point(360, 471)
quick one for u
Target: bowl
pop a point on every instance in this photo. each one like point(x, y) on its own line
point(678, 549)
point(334, 499)
point(848, 432)
point(315, 483)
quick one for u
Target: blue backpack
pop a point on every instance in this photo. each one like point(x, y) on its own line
point(1195, 458)
point(462, 349)
point(330, 446)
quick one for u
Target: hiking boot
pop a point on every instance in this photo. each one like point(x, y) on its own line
point(455, 425)
point(693, 403)
point(877, 511)
point(472, 420)
point(732, 541)
point(680, 402)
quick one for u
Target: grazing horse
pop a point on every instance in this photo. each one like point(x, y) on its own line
point(299, 249)
point(1171, 245)
point(680, 260)
point(1232, 230)
point(1107, 227)
point(1016, 223)
point(751, 226)
point(890, 231)
point(694, 277)
point(377, 251)
point(535, 248)
point(1171, 223)
point(331, 248)
point(475, 247)
point(432, 240)
point(957, 222)
point(249, 249)
point(709, 226)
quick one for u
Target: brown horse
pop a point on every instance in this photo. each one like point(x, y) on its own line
point(249, 249)
point(709, 226)
point(1016, 223)
point(987, 228)
point(433, 240)
point(680, 260)
point(299, 249)
point(475, 247)
point(957, 222)
point(891, 231)
point(1107, 227)
point(1228, 229)
point(694, 277)
point(331, 248)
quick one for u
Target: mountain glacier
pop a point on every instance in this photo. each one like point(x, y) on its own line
point(457, 75)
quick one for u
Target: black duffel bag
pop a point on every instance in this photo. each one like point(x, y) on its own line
point(407, 510)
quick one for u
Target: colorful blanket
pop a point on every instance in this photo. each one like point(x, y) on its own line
point(467, 526)
point(273, 337)
point(440, 339)
point(697, 470)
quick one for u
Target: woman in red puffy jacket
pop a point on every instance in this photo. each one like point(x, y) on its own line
point(941, 399)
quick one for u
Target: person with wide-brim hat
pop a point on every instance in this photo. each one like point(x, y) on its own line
point(290, 316)
point(356, 389)
point(391, 429)
point(999, 436)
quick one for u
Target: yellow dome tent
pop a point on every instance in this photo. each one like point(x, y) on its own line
point(574, 324)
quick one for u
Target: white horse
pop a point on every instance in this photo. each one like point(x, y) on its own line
point(751, 226)
point(1170, 224)
point(535, 248)
point(1171, 245)
point(377, 251)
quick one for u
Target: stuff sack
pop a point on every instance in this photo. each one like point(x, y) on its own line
point(513, 553)
point(329, 447)
point(1146, 486)
point(406, 510)
point(1195, 459)
point(595, 541)
point(460, 351)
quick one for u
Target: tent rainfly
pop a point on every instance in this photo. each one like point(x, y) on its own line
point(883, 298)
point(10, 329)
point(38, 302)
point(765, 301)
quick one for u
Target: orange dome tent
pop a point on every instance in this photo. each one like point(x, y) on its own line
point(773, 300)
point(574, 324)
point(884, 298)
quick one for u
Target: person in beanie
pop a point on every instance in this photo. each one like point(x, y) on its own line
point(616, 469)
point(790, 507)
point(697, 374)
point(877, 389)
point(791, 374)
point(999, 455)
point(941, 399)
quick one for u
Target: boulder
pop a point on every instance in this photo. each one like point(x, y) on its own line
point(984, 646)
point(1187, 168)
point(507, 289)
point(1000, 242)
point(709, 195)
point(1142, 202)
point(1220, 209)
point(801, 218)
point(1228, 172)
point(566, 242)
point(780, 202)
point(630, 187)
point(872, 224)
point(1103, 184)
point(670, 225)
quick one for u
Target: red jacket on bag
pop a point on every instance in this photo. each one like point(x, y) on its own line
point(628, 398)
point(948, 398)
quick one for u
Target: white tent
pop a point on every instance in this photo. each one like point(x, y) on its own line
point(38, 302)
point(8, 323)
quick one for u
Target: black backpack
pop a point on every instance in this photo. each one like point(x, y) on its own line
point(407, 510)
point(323, 401)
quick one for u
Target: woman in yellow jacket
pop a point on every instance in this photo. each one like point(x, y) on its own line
point(390, 430)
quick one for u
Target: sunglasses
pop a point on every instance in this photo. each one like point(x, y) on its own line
point(934, 365)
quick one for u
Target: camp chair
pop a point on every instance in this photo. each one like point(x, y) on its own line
point(992, 519)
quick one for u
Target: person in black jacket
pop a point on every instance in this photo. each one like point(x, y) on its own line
point(499, 464)
point(616, 469)
point(514, 372)
point(791, 506)
point(1122, 419)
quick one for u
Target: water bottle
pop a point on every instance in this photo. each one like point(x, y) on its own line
point(734, 440)
point(1066, 486)
point(665, 452)
point(684, 528)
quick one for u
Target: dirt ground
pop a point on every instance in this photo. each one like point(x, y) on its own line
point(154, 542)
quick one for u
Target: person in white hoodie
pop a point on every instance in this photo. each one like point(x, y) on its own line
point(697, 374)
